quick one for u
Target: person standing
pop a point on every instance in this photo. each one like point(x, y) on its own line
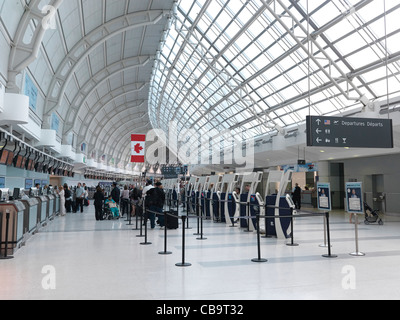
point(297, 196)
point(61, 193)
point(98, 203)
point(156, 200)
point(68, 198)
point(80, 196)
point(125, 200)
point(115, 193)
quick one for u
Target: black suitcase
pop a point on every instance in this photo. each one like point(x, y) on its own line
point(139, 211)
point(173, 222)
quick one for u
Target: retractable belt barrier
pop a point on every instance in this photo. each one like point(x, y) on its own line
point(197, 214)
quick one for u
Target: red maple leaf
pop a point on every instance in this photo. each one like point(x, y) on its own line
point(138, 148)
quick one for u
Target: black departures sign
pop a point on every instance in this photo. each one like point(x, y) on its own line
point(349, 132)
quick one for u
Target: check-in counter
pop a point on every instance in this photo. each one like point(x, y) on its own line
point(50, 206)
point(43, 208)
point(30, 214)
point(15, 209)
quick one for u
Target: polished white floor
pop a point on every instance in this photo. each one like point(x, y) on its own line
point(105, 260)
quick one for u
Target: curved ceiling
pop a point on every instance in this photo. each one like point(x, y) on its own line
point(108, 68)
point(94, 66)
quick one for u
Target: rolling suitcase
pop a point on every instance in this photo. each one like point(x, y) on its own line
point(173, 222)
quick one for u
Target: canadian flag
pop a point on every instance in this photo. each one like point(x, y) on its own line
point(138, 146)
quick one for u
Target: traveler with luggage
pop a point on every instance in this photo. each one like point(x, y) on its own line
point(155, 199)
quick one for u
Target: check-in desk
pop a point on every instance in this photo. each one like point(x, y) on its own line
point(43, 208)
point(51, 206)
point(31, 214)
point(15, 226)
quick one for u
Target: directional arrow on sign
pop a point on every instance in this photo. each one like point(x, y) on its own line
point(318, 131)
point(318, 121)
point(319, 140)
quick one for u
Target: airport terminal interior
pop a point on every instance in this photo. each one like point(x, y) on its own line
point(272, 128)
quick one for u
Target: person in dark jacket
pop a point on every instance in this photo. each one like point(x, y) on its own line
point(115, 193)
point(68, 198)
point(156, 200)
point(297, 196)
point(98, 203)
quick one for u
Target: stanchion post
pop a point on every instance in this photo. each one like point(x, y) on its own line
point(328, 234)
point(357, 253)
point(291, 244)
point(324, 245)
point(248, 217)
point(129, 214)
point(137, 219)
point(183, 263)
point(145, 243)
point(165, 252)
point(198, 220)
point(141, 223)
point(201, 229)
point(259, 259)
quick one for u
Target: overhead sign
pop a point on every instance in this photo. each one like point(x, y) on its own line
point(138, 146)
point(349, 132)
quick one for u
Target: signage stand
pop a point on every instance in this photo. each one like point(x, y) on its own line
point(357, 252)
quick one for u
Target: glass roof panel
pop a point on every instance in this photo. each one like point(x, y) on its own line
point(255, 57)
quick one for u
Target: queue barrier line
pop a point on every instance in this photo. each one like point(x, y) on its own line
point(259, 259)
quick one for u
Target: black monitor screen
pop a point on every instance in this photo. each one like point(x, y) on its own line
point(16, 193)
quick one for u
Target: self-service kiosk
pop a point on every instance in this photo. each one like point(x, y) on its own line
point(200, 194)
point(191, 195)
point(215, 197)
point(250, 201)
point(207, 198)
point(171, 189)
point(227, 201)
point(212, 200)
point(278, 204)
